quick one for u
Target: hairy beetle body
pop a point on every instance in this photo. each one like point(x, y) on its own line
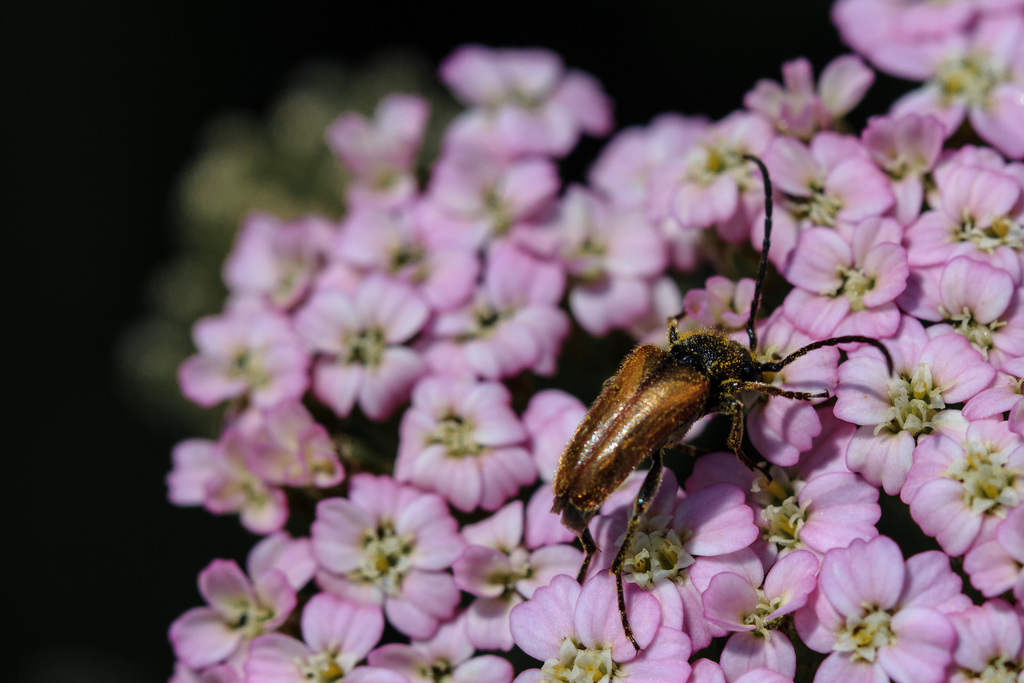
point(652, 400)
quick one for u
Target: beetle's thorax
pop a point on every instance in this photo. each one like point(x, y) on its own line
point(717, 357)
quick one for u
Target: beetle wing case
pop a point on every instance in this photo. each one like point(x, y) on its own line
point(651, 398)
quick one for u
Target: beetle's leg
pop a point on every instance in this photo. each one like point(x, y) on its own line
point(690, 449)
point(773, 390)
point(590, 548)
point(673, 331)
point(640, 507)
point(732, 407)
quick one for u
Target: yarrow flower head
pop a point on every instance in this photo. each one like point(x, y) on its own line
point(930, 374)
point(389, 544)
point(523, 100)
point(248, 352)
point(751, 607)
point(876, 615)
point(360, 336)
point(380, 153)
point(336, 635)
point(797, 108)
point(502, 572)
point(461, 439)
point(958, 489)
point(575, 630)
point(978, 74)
point(239, 610)
point(400, 384)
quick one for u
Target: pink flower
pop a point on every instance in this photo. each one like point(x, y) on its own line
point(990, 643)
point(390, 544)
point(193, 467)
point(293, 557)
point(239, 610)
point(612, 255)
point(1004, 396)
point(879, 617)
point(673, 538)
point(895, 411)
point(722, 303)
point(220, 673)
point(573, 628)
point(393, 242)
point(448, 656)
point(979, 74)
point(524, 101)
point(741, 604)
point(217, 476)
point(336, 635)
point(474, 198)
point(902, 37)
point(625, 170)
point(973, 299)
point(709, 522)
point(248, 350)
point(816, 511)
point(782, 428)
point(275, 260)
point(996, 565)
point(848, 284)
point(666, 302)
point(797, 109)
point(461, 439)
point(514, 324)
point(360, 336)
point(713, 184)
point(381, 152)
point(977, 214)
point(544, 527)
point(959, 491)
point(290, 448)
point(501, 573)
point(906, 148)
point(550, 420)
point(831, 183)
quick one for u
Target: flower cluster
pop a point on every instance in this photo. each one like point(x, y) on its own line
point(382, 428)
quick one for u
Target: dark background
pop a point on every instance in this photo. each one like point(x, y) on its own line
point(104, 103)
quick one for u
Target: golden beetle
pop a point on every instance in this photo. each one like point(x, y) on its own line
point(652, 401)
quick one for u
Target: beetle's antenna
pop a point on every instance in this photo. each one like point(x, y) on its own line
point(779, 364)
point(763, 267)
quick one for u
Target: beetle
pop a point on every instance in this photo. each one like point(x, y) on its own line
point(653, 400)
